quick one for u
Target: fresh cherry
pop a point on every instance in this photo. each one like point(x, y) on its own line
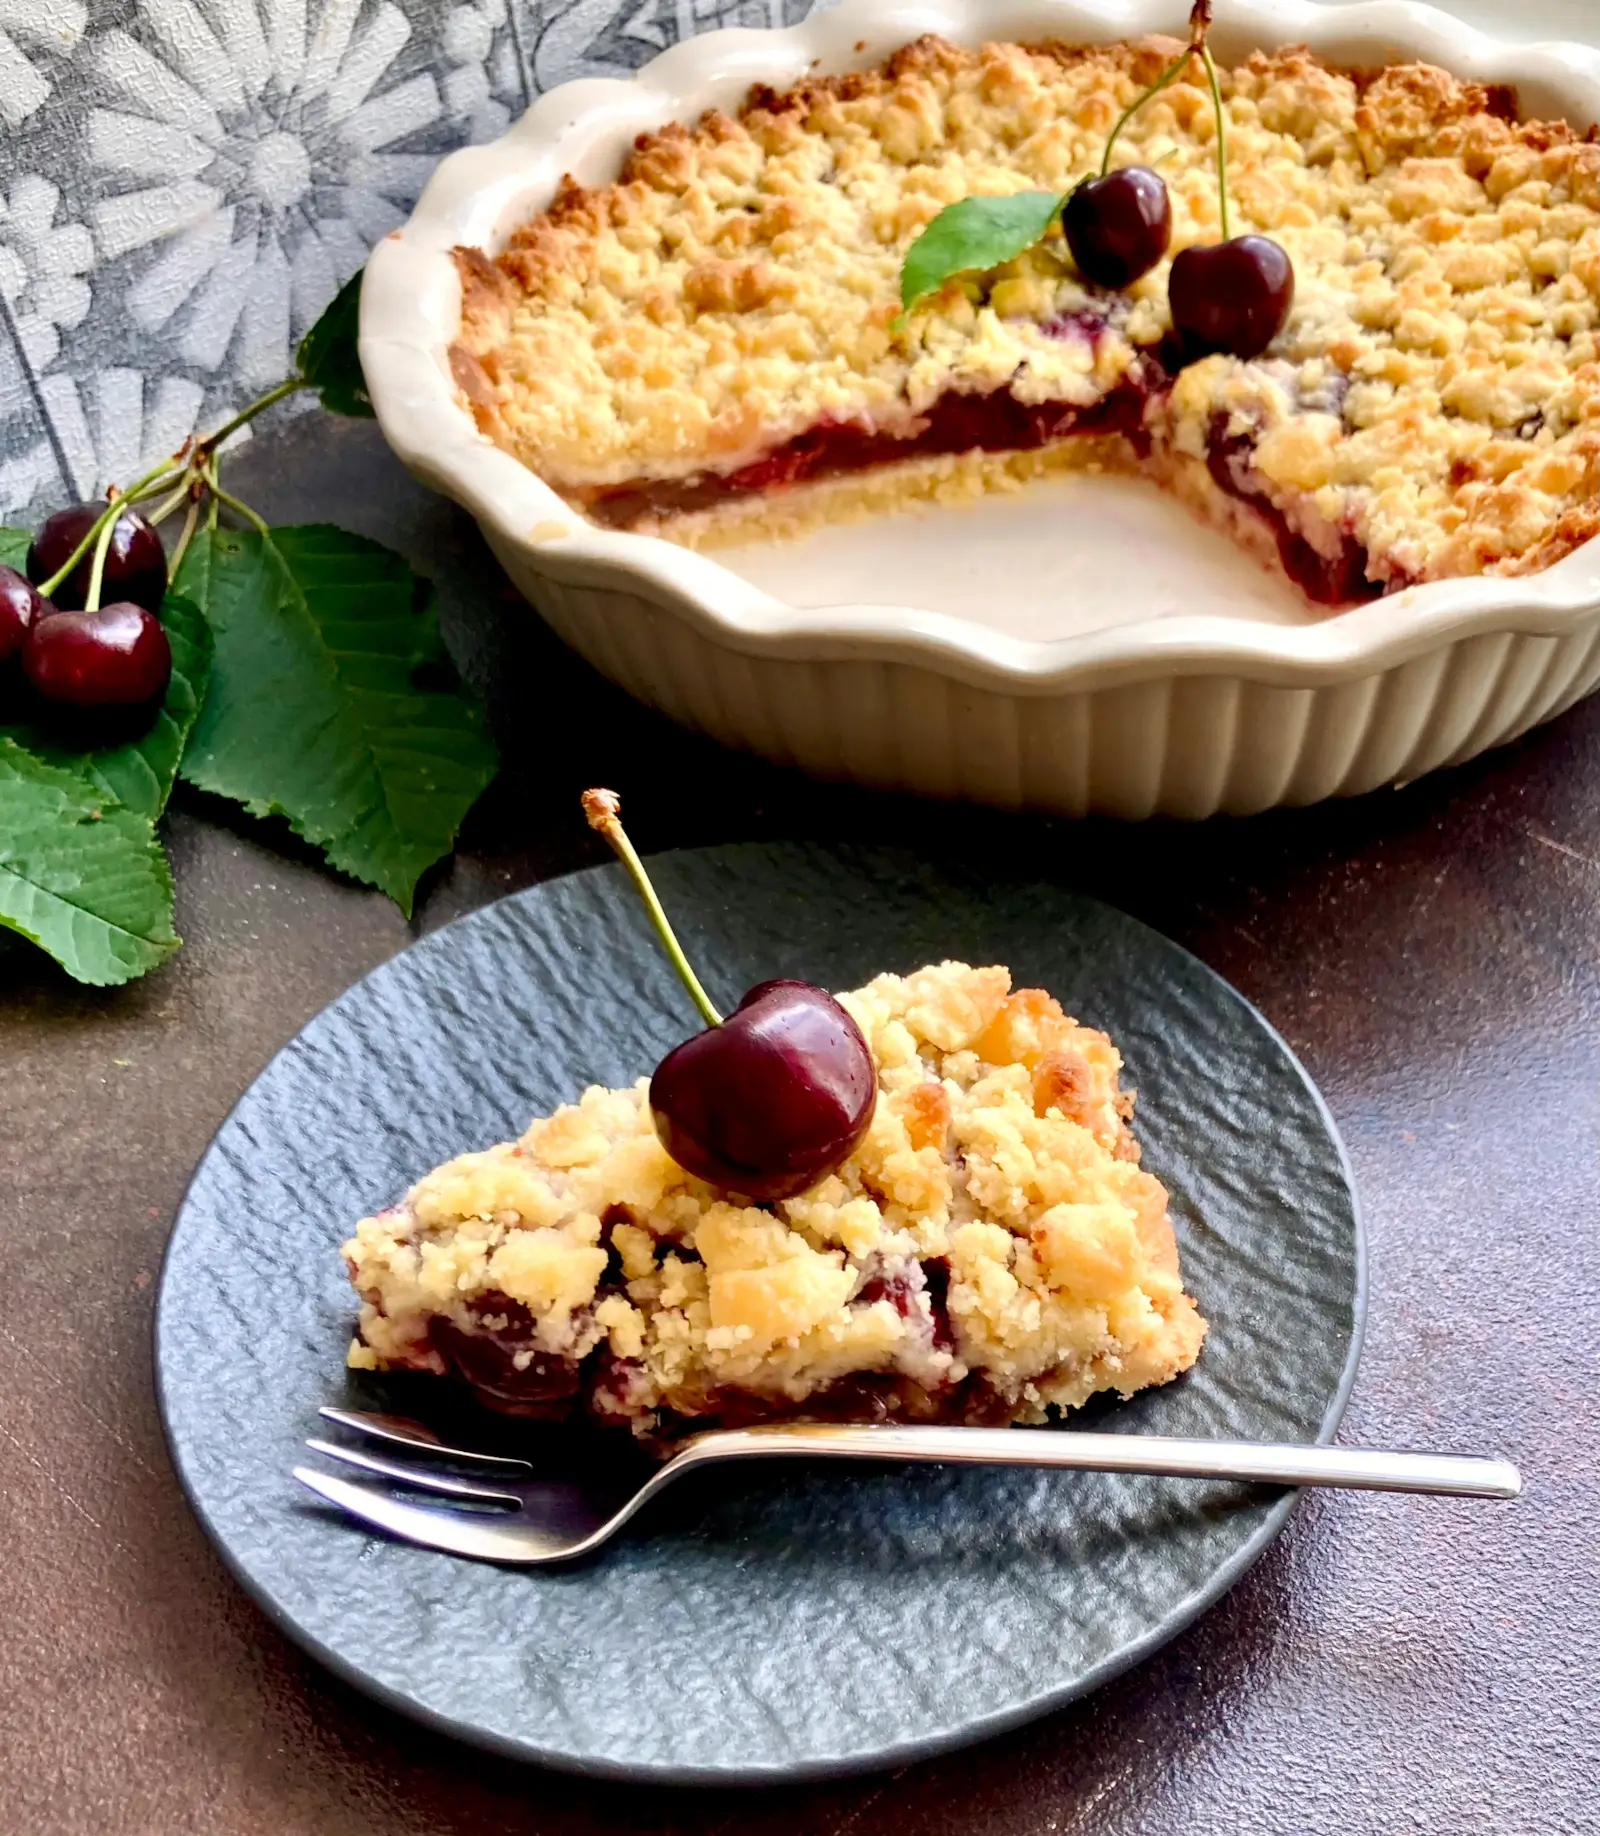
point(770, 1100)
point(773, 1099)
point(116, 657)
point(21, 606)
point(135, 567)
point(1118, 226)
point(1230, 296)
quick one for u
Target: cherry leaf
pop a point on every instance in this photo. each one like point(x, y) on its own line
point(80, 876)
point(972, 236)
point(332, 701)
point(328, 359)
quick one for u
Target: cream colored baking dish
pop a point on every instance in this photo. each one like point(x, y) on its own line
point(1083, 645)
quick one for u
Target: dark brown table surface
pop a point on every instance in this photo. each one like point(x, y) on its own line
point(1391, 1665)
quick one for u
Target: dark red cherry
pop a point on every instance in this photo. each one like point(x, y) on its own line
point(117, 657)
point(1230, 296)
point(1118, 227)
point(771, 1101)
point(136, 564)
point(20, 607)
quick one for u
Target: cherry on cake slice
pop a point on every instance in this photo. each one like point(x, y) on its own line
point(921, 1201)
point(714, 348)
point(989, 1250)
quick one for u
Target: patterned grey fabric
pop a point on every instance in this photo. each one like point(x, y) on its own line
point(184, 184)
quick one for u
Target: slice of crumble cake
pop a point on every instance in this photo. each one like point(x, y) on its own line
point(991, 1250)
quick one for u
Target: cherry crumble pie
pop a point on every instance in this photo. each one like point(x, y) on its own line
point(991, 1250)
point(711, 347)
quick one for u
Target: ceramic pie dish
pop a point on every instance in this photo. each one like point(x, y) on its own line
point(1081, 645)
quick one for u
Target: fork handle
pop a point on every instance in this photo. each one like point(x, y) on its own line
point(1264, 1462)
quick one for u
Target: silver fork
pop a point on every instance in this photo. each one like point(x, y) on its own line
point(507, 1511)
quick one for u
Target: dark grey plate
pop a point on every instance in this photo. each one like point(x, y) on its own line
point(790, 1622)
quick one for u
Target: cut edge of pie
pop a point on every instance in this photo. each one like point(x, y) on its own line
point(708, 349)
point(990, 1252)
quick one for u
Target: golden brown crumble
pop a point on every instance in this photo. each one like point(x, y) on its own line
point(1432, 396)
point(992, 1228)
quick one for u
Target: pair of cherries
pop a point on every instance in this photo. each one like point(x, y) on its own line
point(109, 663)
point(769, 1100)
point(1228, 296)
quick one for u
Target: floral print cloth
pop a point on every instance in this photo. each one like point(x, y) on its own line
point(185, 183)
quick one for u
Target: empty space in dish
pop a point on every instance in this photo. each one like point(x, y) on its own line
point(1062, 556)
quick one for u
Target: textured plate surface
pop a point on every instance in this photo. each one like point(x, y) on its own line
point(774, 1624)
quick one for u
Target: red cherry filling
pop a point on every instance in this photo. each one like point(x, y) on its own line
point(958, 422)
point(773, 1099)
point(910, 1287)
point(1230, 296)
point(497, 1358)
point(135, 565)
point(21, 607)
point(116, 657)
point(1118, 227)
point(1336, 579)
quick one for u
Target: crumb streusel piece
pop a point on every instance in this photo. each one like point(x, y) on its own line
point(991, 1251)
point(708, 347)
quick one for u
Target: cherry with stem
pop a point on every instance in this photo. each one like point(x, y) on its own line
point(187, 473)
point(111, 663)
point(57, 553)
point(1231, 296)
point(1118, 224)
point(768, 1101)
point(105, 666)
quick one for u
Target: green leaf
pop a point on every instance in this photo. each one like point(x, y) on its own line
point(315, 711)
point(14, 545)
point(327, 357)
point(139, 773)
point(974, 234)
point(79, 875)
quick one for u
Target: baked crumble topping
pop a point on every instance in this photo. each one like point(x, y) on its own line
point(699, 346)
point(992, 1250)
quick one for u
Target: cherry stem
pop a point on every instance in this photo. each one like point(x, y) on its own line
point(97, 570)
point(287, 387)
point(233, 503)
point(201, 463)
point(603, 810)
point(1222, 136)
point(168, 504)
point(185, 535)
point(1170, 75)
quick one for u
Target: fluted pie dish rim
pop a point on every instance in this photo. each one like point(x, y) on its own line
point(411, 306)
